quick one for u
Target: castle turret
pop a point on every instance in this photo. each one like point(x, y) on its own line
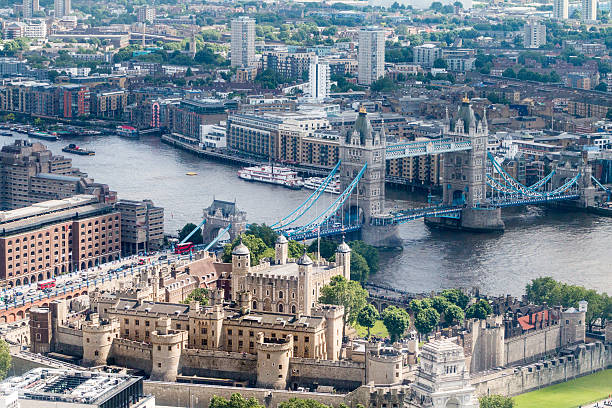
point(343, 259)
point(40, 330)
point(98, 337)
point(384, 366)
point(573, 324)
point(305, 273)
point(281, 250)
point(241, 265)
point(334, 319)
point(167, 346)
point(273, 361)
point(243, 301)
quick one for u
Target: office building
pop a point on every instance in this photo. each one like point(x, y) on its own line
point(318, 81)
point(69, 388)
point(142, 226)
point(146, 14)
point(535, 34)
point(294, 65)
point(30, 173)
point(425, 55)
point(371, 55)
point(560, 9)
point(58, 236)
point(589, 11)
point(243, 42)
point(62, 8)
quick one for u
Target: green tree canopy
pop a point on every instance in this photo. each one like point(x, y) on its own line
point(235, 401)
point(196, 238)
point(453, 314)
point(440, 303)
point(369, 253)
point(359, 268)
point(199, 295)
point(266, 233)
point(346, 293)
point(256, 246)
point(456, 297)
point(396, 320)
point(367, 317)
point(426, 320)
point(479, 310)
point(496, 401)
point(5, 359)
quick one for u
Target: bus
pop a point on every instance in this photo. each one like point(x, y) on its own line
point(49, 283)
point(183, 248)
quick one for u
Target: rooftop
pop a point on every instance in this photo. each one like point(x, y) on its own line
point(68, 386)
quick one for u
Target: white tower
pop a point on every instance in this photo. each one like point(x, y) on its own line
point(560, 9)
point(371, 58)
point(589, 11)
point(243, 42)
point(318, 80)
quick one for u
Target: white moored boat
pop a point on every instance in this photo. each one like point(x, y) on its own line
point(312, 183)
point(281, 176)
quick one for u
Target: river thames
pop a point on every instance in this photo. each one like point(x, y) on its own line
point(573, 247)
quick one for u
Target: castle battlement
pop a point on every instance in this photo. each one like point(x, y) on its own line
point(219, 354)
point(272, 276)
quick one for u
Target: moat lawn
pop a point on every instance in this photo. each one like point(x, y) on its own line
point(379, 330)
point(574, 393)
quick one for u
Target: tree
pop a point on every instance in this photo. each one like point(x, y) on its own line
point(302, 403)
point(456, 297)
point(496, 401)
point(453, 315)
point(256, 246)
point(509, 73)
point(416, 305)
point(383, 84)
point(199, 295)
point(189, 72)
point(601, 87)
point(326, 246)
point(5, 359)
point(396, 320)
point(295, 249)
point(359, 268)
point(235, 401)
point(266, 233)
point(440, 63)
point(479, 310)
point(9, 117)
point(436, 6)
point(196, 238)
point(345, 293)
point(369, 253)
point(367, 317)
point(440, 303)
point(458, 4)
point(426, 320)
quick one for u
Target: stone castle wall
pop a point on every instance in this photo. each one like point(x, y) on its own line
point(343, 375)
point(198, 396)
point(531, 346)
point(132, 354)
point(221, 364)
point(69, 341)
point(586, 359)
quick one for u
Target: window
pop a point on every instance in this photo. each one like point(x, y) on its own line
point(137, 322)
point(146, 323)
point(127, 321)
point(96, 353)
point(306, 339)
point(240, 332)
point(204, 342)
point(229, 332)
point(268, 356)
point(204, 330)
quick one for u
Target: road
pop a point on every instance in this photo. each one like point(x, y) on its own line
point(25, 294)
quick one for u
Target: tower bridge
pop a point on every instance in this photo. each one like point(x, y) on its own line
point(475, 185)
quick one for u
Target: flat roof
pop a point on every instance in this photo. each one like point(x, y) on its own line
point(68, 385)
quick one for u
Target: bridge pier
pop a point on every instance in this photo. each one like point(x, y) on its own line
point(472, 219)
point(381, 235)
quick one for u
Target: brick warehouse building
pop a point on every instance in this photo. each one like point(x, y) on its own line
point(38, 242)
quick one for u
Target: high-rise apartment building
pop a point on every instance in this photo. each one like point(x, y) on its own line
point(560, 9)
point(425, 55)
point(371, 55)
point(535, 34)
point(243, 42)
point(589, 10)
point(142, 226)
point(145, 14)
point(62, 8)
point(28, 8)
point(318, 80)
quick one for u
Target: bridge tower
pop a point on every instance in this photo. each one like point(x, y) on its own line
point(464, 175)
point(218, 216)
point(367, 203)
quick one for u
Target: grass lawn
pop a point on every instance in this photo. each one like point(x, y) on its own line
point(570, 394)
point(378, 330)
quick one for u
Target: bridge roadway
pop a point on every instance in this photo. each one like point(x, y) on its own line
point(109, 275)
point(426, 147)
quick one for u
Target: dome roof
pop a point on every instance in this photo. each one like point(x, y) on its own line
point(281, 239)
point(241, 249)
point(343, 248)
point(304, 260)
